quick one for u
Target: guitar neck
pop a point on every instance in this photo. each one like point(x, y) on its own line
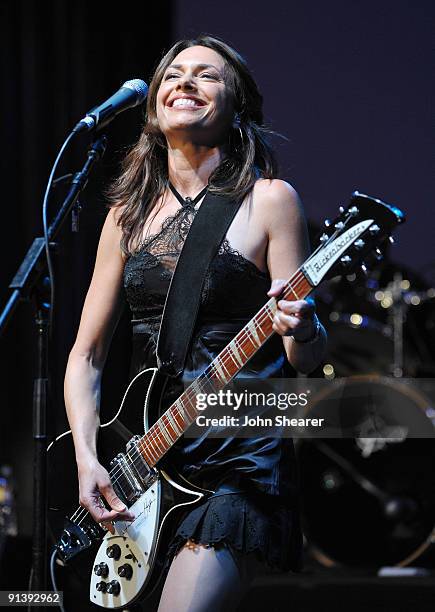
point(183, 412)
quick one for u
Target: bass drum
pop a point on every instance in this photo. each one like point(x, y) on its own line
point(370, 501)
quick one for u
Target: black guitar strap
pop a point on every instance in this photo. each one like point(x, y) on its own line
point(205, 235)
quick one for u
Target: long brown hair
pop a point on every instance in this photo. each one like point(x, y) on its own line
point(144, 173)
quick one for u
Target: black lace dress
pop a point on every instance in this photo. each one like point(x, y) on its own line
point(255, 504)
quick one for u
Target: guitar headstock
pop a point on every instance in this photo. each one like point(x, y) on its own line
point(358, 233)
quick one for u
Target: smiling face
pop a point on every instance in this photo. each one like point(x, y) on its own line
point(193, 100)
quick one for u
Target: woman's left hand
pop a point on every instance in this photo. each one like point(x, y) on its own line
point(293, 318)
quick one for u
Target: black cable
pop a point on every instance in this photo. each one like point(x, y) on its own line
point(45, 226)
point(53, 579)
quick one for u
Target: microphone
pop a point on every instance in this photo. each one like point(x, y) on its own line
point(131, 94)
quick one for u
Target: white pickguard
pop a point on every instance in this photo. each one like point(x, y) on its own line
point(137, 541)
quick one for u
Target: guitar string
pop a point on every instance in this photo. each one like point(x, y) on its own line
point(157, 436)
point(152, 437)
point(149, 442)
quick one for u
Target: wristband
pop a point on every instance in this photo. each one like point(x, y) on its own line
point(314, 336)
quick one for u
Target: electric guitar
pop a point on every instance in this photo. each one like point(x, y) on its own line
point(129, 562)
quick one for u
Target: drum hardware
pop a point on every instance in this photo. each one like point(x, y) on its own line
point(375, 489)
point(397, 298)
point(378, 327)
point(392, 507)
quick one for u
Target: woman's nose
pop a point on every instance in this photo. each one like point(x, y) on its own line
point(186, 82)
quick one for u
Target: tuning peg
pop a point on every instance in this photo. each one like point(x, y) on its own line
point(374, 229)
point(327, 222)
point(353, 210)
point(345, 260)
point(359, 243)
point(324, 238)
point(378, 254)
point(339, 226)
point(341, 209)
point(391, 239)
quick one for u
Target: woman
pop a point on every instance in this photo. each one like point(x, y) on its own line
point(203, 128)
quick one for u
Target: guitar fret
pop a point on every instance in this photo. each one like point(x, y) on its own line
point(167, 422)
point(178, 418)
point(219, 371)
point(259, 327)
point(157, 440)
point(234, 353)
point(293, 291)
point(174, 424)
point(195, 388)
point(187, 404)
point(165, 434)
point(179, 407)
point(240, 347)
point(253, 334)
point(149, 449)
point(206, 381)
point(224, 367)
point(269, 311)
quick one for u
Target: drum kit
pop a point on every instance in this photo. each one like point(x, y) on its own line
point(369, 501)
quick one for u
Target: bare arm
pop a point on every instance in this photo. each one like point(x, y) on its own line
point(288, 248)
point(100, 315)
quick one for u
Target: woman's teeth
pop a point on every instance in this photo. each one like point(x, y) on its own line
point(185, 102)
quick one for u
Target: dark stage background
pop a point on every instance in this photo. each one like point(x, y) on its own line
point(347, 83)
point(59, 59)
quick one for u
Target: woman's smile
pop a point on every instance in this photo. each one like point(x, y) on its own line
point(185, 102)
point(193, 95)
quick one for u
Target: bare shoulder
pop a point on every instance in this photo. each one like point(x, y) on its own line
point(111, 233)
point(278, 202)
point(112, 220)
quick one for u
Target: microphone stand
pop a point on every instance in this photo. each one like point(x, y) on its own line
point(30, 282)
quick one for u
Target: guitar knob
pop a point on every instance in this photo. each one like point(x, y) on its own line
point(374, 229)
point(339, 226)
point(126, 571)
point(364, 268)
point(113, 587)
point(101, 570)
point(345, 260)
point(101, 586)
point(359, 243)
point(113, 552)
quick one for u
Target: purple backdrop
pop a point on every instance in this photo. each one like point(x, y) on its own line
point(349, 84)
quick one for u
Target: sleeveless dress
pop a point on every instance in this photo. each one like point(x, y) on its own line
point(255, 505)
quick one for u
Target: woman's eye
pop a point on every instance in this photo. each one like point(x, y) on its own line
point(171, 75)
point(207, 75)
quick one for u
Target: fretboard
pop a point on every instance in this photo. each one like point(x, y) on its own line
point(183, 412)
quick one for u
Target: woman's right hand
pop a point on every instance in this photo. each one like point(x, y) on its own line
point(94, 486)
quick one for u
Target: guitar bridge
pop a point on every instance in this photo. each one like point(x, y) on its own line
point(75, 538)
